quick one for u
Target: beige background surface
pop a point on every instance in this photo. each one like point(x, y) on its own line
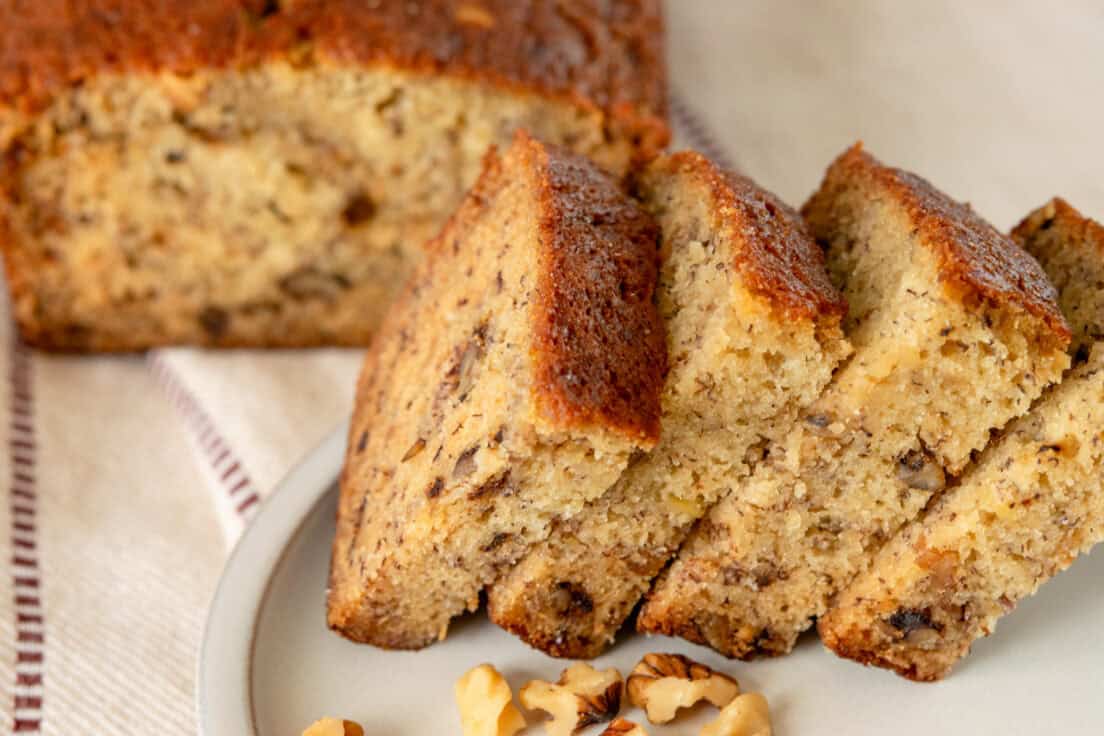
point(998, 103)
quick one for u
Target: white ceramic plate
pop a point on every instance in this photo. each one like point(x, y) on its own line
point(269, 666)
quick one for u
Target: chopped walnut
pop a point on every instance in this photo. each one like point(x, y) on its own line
point(920, 470)
point(622, 727)
point(583, 696)
point(660, 684)
point(487, 704)
point(747, 715)
point(333, 727)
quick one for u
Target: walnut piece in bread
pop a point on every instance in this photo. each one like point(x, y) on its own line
point(660, 684)
point(486, 703)
point(582, 697)
point(747, 715)
point(333, 727)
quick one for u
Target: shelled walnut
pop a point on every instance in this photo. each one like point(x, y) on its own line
point(487, 704)
point(581, 697)
point(660, 684)
point(747, 715)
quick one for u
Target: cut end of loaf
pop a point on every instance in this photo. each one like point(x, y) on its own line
point(272, 183)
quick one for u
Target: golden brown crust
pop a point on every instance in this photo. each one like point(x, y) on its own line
point(974, 255)
point(596, 242)
point(778, 259)
point(606, 55)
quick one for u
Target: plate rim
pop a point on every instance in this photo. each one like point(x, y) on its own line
point(223, 698)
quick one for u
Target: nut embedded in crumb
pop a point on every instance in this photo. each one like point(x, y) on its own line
point(487, 704)
point(333, 727)
point(582, 697)
point(623, 727)
point(919, 469)
point(747, 715)
point(660, 684)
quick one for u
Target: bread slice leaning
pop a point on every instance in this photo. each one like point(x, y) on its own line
point(753, 334)
point(510, 384)
point(955, 332)
point(1021, 514)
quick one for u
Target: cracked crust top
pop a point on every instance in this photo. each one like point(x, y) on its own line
point(779, 259)
point(974, 255)
point(606, 55)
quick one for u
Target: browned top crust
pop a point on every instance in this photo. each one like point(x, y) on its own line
point(775, 253)
point(1061, 213)
point(606, 54)
point(973, 254)
point(600, 347)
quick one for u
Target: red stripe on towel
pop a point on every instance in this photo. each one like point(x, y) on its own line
point(232, 477)
point(30, 631)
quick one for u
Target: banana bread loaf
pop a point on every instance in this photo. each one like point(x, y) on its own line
point(955, 330)
point(252, 172)
point(753, 334)
point(1021, 514)
point(509, 385)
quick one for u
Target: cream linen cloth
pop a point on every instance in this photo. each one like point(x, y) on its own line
point(130, 477)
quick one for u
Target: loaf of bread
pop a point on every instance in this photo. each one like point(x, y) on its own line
point(753, 334)
point(242, 172)
point(955, 331)
point(1022, 513)
point(508, 386)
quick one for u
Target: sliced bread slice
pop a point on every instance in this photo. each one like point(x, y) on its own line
point(509, 385)
point(252, 173)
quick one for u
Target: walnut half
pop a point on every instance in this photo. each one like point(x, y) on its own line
point(583, 696)
point(333, 727)
point(623, 727)
point(747, 715)
point(487, 704)
point(660, 684)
